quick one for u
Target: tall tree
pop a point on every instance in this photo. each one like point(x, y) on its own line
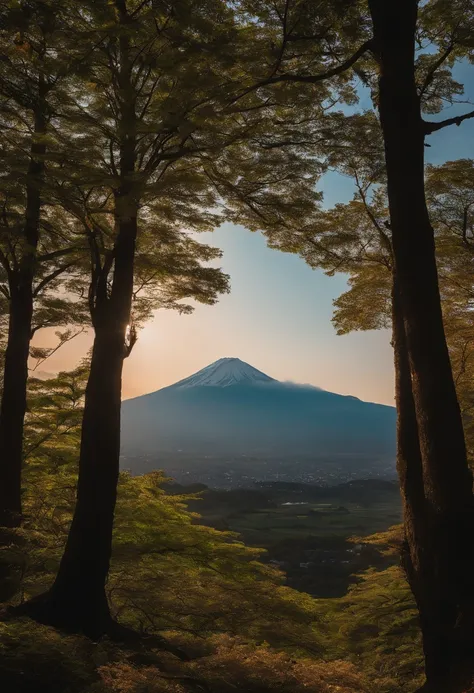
point(161, 138)
point(36, 248)
point(356, 238)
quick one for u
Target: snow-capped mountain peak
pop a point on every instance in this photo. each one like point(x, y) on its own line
point(224, 373)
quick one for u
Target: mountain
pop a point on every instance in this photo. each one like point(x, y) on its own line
point(231, 408)
point(224, 373)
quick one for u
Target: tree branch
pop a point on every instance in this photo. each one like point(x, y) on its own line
point(385, 240)
point(50, 277)
point(53, 350)
point(436, 65)
point(430, 127)
point(311, 79)
point(57, 253)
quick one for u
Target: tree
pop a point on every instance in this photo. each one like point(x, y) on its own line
point(356, 238)
point(36, 246)
point(367, 303)
point(440, 504)
point(161, 139)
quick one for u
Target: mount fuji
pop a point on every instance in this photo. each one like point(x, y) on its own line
point(225, 373)
point(230, 408)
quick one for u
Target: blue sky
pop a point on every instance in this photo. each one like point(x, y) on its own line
point(278, 316)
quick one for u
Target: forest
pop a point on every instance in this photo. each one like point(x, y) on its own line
point(127, 127)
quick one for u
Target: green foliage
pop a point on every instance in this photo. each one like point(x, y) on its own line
point(181, 564)
point(40, 257)
point(321, 51)
point(355, 238)
point(376, 624)
point(450, 193)
point(367, 303)
point(168, 85)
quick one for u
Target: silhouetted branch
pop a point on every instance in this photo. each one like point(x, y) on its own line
point(430, 127)
point(311, 79)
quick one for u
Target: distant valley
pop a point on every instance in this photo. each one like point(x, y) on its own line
point(308, 531)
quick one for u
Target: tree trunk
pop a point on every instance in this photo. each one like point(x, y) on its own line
point(417, 551)
point(20, 279)
point(77, 599)
point(13, 405)
point(448, 628)
point(409, 464)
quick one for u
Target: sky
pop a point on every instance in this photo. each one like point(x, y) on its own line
point(278, 314)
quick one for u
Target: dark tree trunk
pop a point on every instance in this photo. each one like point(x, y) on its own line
point(447, 530)
point(20, 279)
point(409, 464)
point(417, 556)
point(13, 405)
point(77, 599)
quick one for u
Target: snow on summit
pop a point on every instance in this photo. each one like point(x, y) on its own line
point(223, 373)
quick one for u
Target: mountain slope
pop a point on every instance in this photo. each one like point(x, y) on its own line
point(224, 373)
point(229, 407)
